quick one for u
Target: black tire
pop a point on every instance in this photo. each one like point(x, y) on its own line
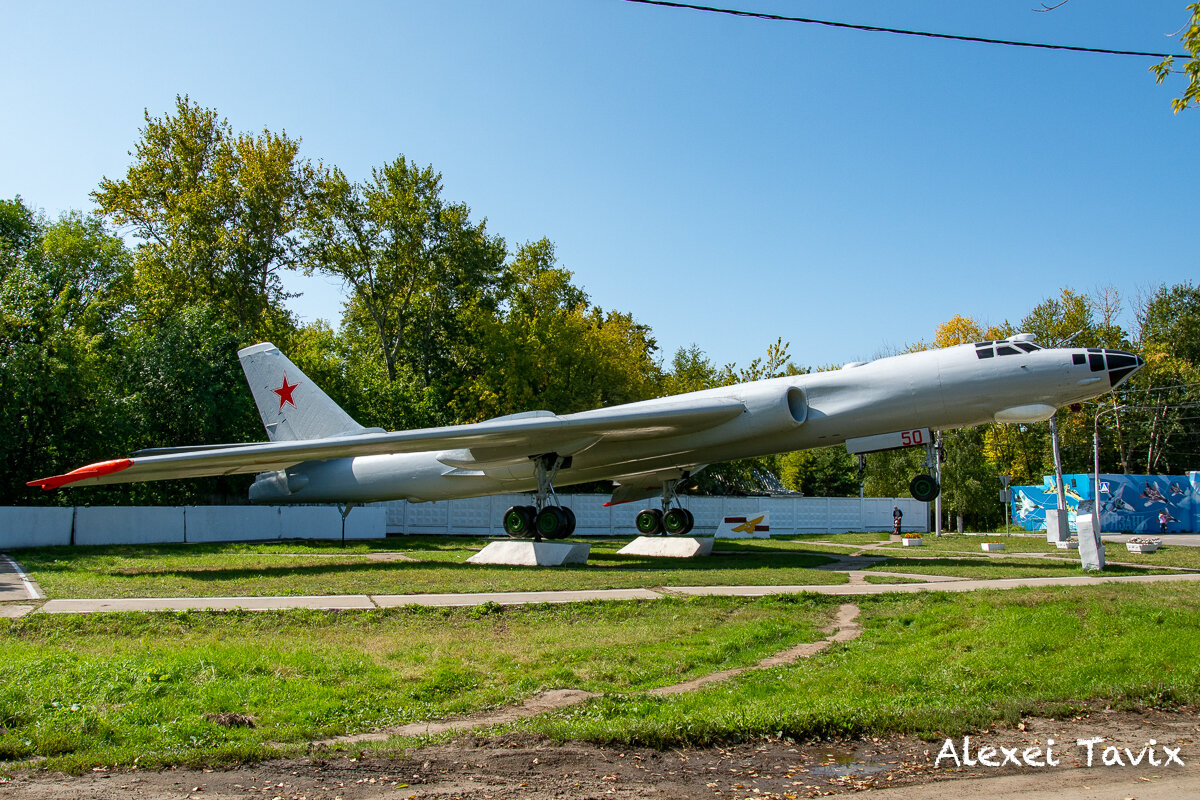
point(924, 488)
point(570, 529)
point(675, 521)
point(649, 521)
point(551, 522)
point(691, 523)
point(518, 522)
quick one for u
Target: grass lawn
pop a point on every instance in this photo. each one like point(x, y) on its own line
point(936, 664)
point(108, 689)
point(433, 564)
point(958, 543)
point(1168, 555)
point(994, 568)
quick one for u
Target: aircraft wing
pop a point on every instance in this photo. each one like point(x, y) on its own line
point(510, 437)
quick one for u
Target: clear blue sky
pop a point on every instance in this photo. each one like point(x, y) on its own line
point(726, 180)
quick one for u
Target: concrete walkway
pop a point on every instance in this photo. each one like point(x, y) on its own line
point(361, 601)
point(14, 583)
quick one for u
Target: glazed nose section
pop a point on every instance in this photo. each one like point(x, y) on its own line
point(1120, 365)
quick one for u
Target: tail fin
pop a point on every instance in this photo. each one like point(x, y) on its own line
point(292, 407)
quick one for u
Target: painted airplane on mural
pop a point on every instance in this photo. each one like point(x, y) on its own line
point(317, 453)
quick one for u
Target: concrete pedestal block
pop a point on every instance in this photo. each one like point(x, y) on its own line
point(532, 554)
point(668, 547)
point(1058, 528)
point(1091, 547)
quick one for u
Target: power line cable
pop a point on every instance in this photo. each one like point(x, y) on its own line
point(927, 34)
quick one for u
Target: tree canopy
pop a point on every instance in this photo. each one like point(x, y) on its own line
point(108, 346)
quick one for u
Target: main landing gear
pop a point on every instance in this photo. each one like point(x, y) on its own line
point(667, 520)
point(554, 521)
point(925, 487)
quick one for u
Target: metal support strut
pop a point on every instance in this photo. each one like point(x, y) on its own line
point(546, 469)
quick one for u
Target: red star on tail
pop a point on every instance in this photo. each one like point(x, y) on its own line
point(285, 392)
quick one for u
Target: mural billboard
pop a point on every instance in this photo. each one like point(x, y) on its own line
point(1128, 503)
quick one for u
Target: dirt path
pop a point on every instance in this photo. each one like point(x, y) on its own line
point(534, 769)
point(844, 628)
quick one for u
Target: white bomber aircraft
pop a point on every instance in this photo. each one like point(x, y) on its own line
point(317, 453)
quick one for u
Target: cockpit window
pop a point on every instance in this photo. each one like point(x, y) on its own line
point(1003, 347)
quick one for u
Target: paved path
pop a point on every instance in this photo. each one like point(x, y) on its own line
point(14, 583)
point(362, 601)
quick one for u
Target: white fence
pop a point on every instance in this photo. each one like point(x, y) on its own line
point(95, 525)
point(481, 516)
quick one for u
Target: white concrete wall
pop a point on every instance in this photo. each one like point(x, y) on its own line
point(366, 522)
point(99, 525)
point(481, 516)
point(22, 526)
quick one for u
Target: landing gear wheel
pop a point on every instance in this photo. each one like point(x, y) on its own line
point(518, 521)
point(567, 531)
point(678, 521)
point(924, 488)
point(551, 522)
point(649, 521)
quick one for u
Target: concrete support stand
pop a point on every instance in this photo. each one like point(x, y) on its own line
point(1057, 526)
point(532, 554)
point(668, 547)
point(1091, 546)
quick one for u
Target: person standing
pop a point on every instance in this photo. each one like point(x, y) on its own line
point(1163, 519)
point(897, 519)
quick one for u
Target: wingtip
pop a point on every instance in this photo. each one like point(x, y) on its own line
point(96, 470)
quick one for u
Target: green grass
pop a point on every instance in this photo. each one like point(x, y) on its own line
point(935, 664)
point(953, 542)
point(840, 538)
point(291, 568)
point(108, 689)
point(995, 568)
point(1168, 555)
point(891, 579)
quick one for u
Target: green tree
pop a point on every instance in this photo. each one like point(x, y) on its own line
point(1190, 38)
point(60, 290)
point(216, 214)
point(423, 278)
point(970, 482)
point(823, 472)
point(551, 349)
point(182, 384)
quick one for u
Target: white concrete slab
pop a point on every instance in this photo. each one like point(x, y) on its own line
point(512, 598)
point(25, 526)
point(98, 525)
point(14, 611)
point(668, 547)
point(532, 554)
point(92, 606)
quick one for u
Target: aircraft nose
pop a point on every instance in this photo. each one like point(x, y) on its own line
point(1121, 365)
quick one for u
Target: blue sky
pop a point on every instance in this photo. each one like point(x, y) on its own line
point(729, 181)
